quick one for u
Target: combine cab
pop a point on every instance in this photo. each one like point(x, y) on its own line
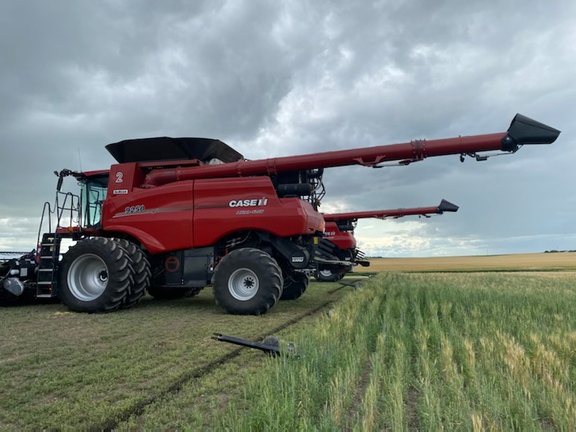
point(175, 215)
point(339, 244)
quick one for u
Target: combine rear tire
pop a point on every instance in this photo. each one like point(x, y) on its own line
point(330, 274)
point(95, 276)
point(295, 285)
point(142, 273)
point(247, 281)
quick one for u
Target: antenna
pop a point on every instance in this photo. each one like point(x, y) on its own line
point(79, 159)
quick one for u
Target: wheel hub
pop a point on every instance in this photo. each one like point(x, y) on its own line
point(103, 277)
point(88, 277)
point(243, 284)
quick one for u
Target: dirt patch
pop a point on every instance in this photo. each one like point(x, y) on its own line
point(412, 409)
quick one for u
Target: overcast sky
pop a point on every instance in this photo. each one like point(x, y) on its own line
point(283, 78)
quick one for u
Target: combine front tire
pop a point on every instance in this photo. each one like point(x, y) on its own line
point(247, 281)
point(142, 273)
point(95, 276)
point(295, 285)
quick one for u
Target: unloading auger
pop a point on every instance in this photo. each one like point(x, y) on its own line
point(339, 244)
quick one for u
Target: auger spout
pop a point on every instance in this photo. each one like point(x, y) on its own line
point(447, 206)
point(524, 130)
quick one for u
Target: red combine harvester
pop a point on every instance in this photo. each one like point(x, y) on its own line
point(175, 215)
point(339, 240)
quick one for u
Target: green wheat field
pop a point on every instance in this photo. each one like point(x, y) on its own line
point(401, 351)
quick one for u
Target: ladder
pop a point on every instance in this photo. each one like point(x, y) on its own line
point(68, 205)
point(46, 283)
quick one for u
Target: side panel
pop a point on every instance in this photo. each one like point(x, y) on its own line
point(225, 206)
point(189, 214)
point(161, 218)
point(343, 239)
point(191, 268)
point(124, 178)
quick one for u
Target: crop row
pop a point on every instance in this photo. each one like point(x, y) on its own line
point(409, 351)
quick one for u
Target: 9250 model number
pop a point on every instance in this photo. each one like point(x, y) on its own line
point(134, 209)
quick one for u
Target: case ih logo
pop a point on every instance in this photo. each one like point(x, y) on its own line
point(248, 202)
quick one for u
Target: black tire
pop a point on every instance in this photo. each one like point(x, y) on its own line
point(247, 281)
point(7, 298)
point(295, 285)
point(172, 293)
point(142, 273)
point(329, 274)
point(193, 292)
point(95, 276)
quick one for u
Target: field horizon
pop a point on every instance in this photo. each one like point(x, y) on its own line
point(539, 261)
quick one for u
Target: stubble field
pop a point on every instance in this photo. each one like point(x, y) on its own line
point(517, 262)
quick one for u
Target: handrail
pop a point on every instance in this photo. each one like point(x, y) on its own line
point(70, 203)
point(46, 204)
point(73, 207)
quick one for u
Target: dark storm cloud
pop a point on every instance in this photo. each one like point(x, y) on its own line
point(276, 79)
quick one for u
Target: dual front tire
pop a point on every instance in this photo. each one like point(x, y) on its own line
point(102, 275)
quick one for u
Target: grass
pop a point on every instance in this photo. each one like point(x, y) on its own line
point(63, 370)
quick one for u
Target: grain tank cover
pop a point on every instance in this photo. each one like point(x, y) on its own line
point(170, 149)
